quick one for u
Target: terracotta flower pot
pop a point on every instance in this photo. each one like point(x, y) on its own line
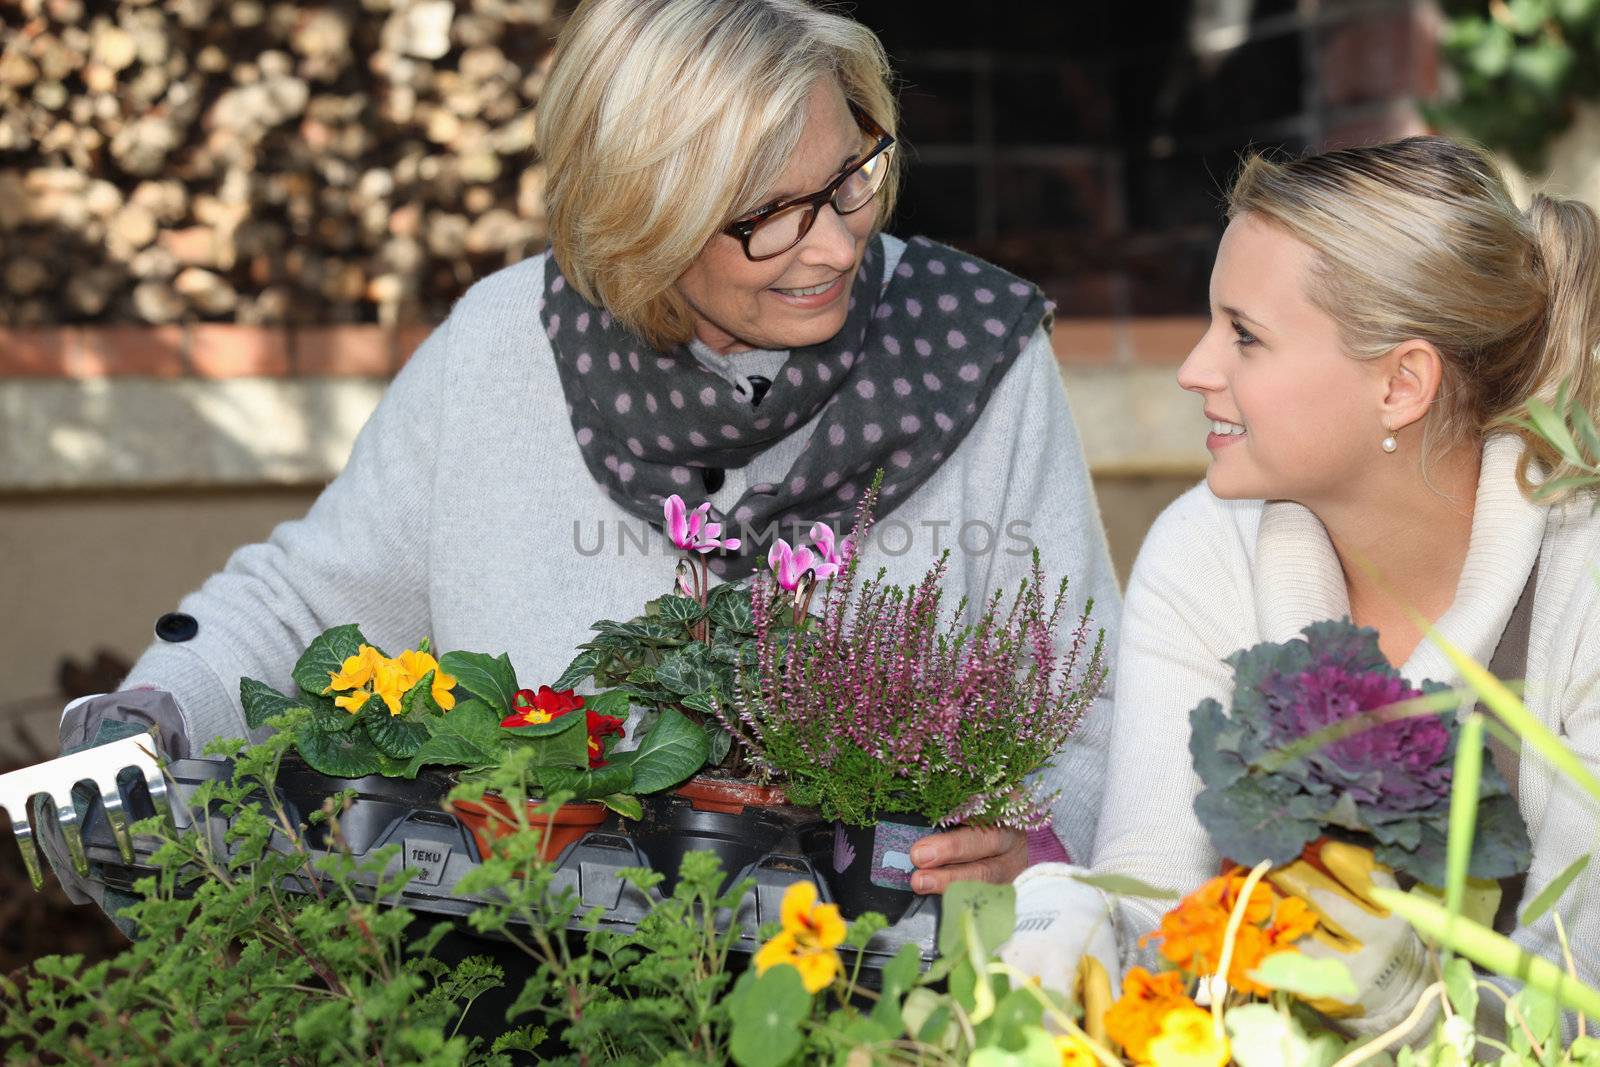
point(570, 822)
point(729, 796)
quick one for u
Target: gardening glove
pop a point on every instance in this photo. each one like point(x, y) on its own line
point(1065, 936)
point(1383, 953)
point(97, 720)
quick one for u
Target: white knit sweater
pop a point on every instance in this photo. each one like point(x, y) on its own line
point(1215, 576)
point(466, 513)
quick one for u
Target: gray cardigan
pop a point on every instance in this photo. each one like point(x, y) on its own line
point(466, 514)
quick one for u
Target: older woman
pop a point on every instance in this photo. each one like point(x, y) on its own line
point(718, 317)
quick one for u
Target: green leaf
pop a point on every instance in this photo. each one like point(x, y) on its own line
point(339, 755)
point(993, 910)
point(1035, 1049)
point(395, 735)
point(581, 669)
point(1461, 984)
point(1490, 950)
point(616, 703)
point(1552, 892)
point(899, 976)
point(685, 672)
point(325, 656)
point(1263, 1036)
point(489, 678)
point(262, 702)
point(1550, 426)
point(733, 613)
point(680, 609)
point(1306, 976)
point(718, 742)
point(1122, 885)
point(418, 700)
point(468, 736)
point(1465, 779)
point(766, 1014)
point(625, 805)
point(561, 742)
point(585, 784)
point(669, 754)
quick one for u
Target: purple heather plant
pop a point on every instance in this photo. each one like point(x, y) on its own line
point(1320, 742)
point(884, 705)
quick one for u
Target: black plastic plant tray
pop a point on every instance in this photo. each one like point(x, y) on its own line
point(765, 845)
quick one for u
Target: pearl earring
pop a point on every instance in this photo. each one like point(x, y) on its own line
point(1389, 444)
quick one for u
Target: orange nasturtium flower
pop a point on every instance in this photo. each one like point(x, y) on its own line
point(1191, 935)
point(1188, 1037)
point(1146, 999)
point(809, 940)
point(369, 671)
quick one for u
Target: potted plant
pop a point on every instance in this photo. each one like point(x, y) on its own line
point(894, 720)
point(1328, 737)
point(374, 717)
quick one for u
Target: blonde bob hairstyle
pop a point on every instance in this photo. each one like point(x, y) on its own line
point(1421, 239)
point(662, 121)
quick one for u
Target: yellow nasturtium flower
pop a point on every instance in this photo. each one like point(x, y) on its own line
point(1188, 1038)
point(1074, 1053)
point(809, 939)
point(369, 671)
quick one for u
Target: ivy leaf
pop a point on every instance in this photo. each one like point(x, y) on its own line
point(718, 742)
point(325, 656)
point(489, 678)
point(672, 751)
point(262, 702)
point(579, 670)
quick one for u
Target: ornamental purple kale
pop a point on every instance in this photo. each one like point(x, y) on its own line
point(1319, 743)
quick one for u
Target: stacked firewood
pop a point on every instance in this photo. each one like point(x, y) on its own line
point(265, 161)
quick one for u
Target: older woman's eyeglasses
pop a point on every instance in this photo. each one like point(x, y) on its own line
point(776, 228)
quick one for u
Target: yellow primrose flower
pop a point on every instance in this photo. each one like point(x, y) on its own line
point(390, 681)
point(417, 665)
point(809, 940)
point(1188, 1038)
point(1074, 1053)
point(356, 671)
point(354, 702)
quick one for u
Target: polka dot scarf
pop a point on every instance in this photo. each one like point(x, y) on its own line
point(898, 388)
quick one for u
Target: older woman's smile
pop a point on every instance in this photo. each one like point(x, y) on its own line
point(812, 296)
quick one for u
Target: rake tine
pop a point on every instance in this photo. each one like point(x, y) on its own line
point(31, 859)
point(65, 824)
point(116, 816)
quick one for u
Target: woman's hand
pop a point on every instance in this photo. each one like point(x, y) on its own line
point(968, 854)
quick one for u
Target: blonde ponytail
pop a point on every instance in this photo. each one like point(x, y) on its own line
point(1567, 233)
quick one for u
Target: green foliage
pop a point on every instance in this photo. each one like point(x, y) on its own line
point(680, 656)
point(376, 740)
point(1521, 66)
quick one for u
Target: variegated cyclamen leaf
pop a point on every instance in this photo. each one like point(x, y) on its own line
point(579, 670)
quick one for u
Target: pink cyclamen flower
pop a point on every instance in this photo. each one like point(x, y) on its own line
point(832, 556)
point(690, 531)
point(789, 564)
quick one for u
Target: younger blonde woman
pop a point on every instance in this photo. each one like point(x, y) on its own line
point(1377, 315)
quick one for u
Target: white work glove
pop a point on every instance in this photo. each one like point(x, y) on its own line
point(1384, 954)
point(1063, 930)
